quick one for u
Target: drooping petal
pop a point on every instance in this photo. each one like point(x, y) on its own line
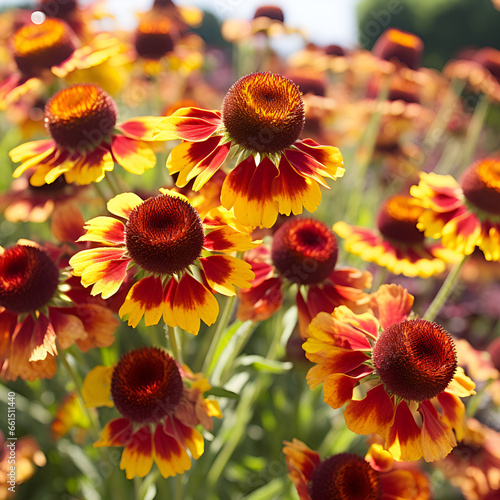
point(140, 128)
point(260, 302)
point(84, 168)
point(338, 388)
point(168, 453)
point(248, 189)
point(453, 412)
point(82, 260)
point(67, 327)
point(403, 439)
point(137, 457)
point(117, 432)
point(145, 298)
point(373, 414)
point(329, 157)
point(391, 304)
point(226, 239)
point(105, 230)
point(32, 149)
point(224, 272)
point(134, 156)
point(192, 439)
point(43, 340)
point(188, 124)
point(193, 302)
point(99, 324)
point(96, 390)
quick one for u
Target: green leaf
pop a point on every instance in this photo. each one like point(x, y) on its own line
point(222, 393)
point(262, 364)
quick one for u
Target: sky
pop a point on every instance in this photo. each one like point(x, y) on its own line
point(325, 21)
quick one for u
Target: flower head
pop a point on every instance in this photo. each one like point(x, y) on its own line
point(405, 368)
point(38, 313)
point(154, 37)
point(165, 239)
point(464, 214)
point(399, 46)
point(86, 141)
point(303, 252)
point(261, 120)
point(397, 244)
point(159, 411)
point(348, 476)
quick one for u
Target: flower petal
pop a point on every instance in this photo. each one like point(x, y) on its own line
point(134, 156)
point(140, 128)
point(168, 453)
point(117, 432)
point(122, 204)
point(224, 272)
point(403, 440)
point(104, 230)
point(391, 304)
point(226, 239)
point(32, 149)
point(137, 457)
point(96, 390)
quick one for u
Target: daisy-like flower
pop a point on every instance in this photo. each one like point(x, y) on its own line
point(399, 47)
point(399, 377)
point(50, 48)
point(260, 123)
point(86, 140)
point(397, 244)
point(303, 253)
point(40, 314)
point(165, 239)
point(463, 214)
point(347, 476)
point(160, 403)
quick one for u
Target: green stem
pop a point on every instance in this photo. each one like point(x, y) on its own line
point(111, 184)
point(208, 366)
point(174, 346)
point(100, 192)
point(444, 292)
point(474, 130)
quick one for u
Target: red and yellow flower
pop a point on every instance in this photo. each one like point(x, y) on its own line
point(86, 140)
point(50, 48)
point(397, 244)
point(463, 214)
point(164, 238)
point(160, 403)
point(303, 253)
point(42, 311)
point(260, 123)
point(399, 377)
point(349, 476)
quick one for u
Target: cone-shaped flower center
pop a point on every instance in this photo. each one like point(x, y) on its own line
point(345, 477)
point(153, 39)
point(270, 11)
point(38, 47)
point(397, 220)
point(57, 8)
point(481, 185)
point(80, 117)
point(146, 385)
point(164, 235)
point(28, 278)
point(263, 112)
point(304, 251)
point(415, 359)
point(401, 46)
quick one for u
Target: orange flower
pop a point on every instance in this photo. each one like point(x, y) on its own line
point(348, 476)
point(399, 377)
point(41, 311)
point(463, 214)
point(51, 48)
point(86, 141)
point(160, 403)
point(261, 120)
point(400, 47)
point(397, 244)
point(304, 253)
point(165, 239)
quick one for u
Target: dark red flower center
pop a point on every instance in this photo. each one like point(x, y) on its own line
point(400, 46)
point(481, 185)
point(397, 220)
point(57, 8)
point(153, 38)
point(345, 477)
point(164, 235)
point(270, 11)
point(415, 359)
point(263, 112)
point(28, 278)
point(80, 117)
point(146, 385)
point(304, 251)
point(38, 47)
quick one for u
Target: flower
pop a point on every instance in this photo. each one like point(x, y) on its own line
point(397, 244)
point(262, 117)
point(160, 403)
point(165, 239)
point(303, 253)
point(400, 47)
point(474, 464)
point(398, 376)
point(51, 48)
point(86, 141)
point(347, 476)
point(70, 416)
point(40, 313)
point(463, 214)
